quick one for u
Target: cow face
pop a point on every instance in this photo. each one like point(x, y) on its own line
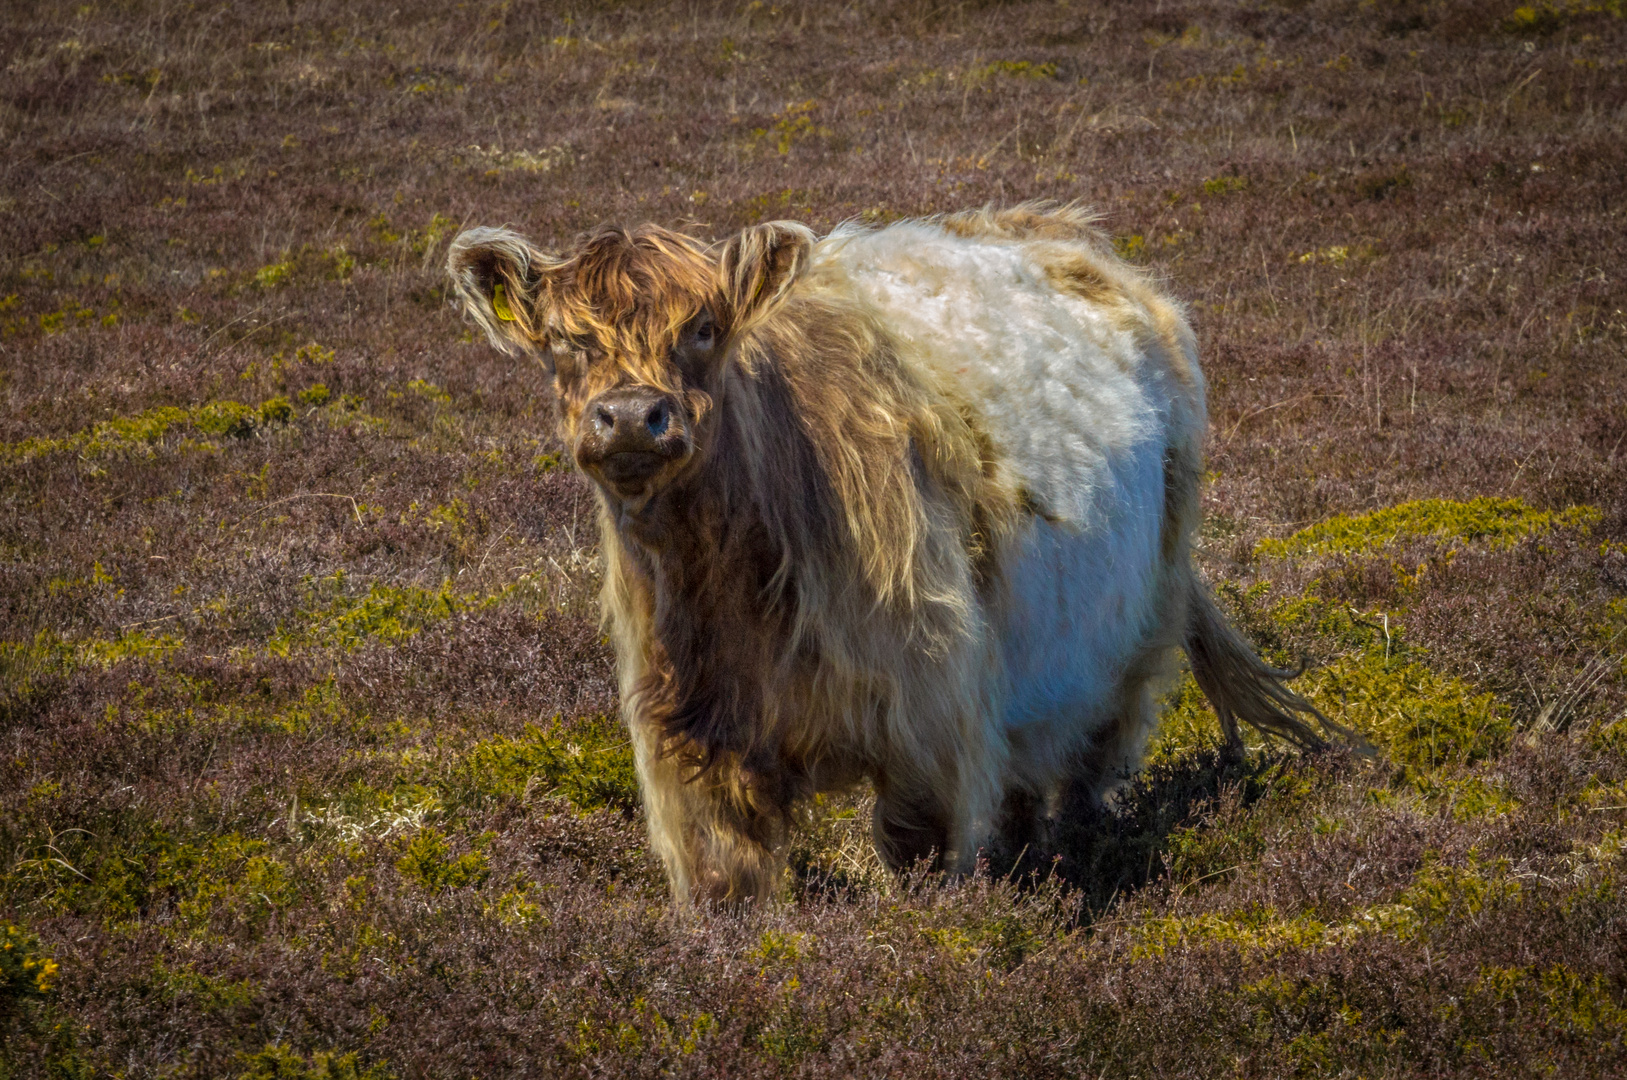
point(637, 328)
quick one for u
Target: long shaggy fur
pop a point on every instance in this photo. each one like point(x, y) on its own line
point(931, 526)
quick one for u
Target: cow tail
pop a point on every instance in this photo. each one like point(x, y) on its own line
point(1241, 686)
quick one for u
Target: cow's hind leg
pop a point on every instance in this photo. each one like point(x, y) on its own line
point(1020, 826)
point(1115, 749)
point(911, 824)
point(940, 806)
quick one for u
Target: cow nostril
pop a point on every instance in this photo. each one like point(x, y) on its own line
point(657, 419)
point(606, 419)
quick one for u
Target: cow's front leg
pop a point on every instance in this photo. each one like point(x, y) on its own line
point(738, 848)
point(719, 836)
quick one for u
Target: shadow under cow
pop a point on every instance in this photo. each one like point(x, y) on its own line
point(1101, 855)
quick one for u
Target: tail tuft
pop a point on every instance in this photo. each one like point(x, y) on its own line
point(1241, 686)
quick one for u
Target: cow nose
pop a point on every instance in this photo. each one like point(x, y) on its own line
point(622, 418)
point(632, 432)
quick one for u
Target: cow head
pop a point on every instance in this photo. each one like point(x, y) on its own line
point(637, 327)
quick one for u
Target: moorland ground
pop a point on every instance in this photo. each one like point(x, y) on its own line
point(310, 766)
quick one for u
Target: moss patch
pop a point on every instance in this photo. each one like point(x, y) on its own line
point(1424, 719)
point(1447, 895)
point(1579, 1003)
point(137, 435)
point(1380, 684)
point(1189, 724)
point(336, 619)
point(1382, 689)
point(191, 988)
point(1438, 898)
point(1257, 929)
point(1500, 522)
point(1468, 798)
point(29, 668)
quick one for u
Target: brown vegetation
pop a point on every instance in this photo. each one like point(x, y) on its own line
point(294, 581)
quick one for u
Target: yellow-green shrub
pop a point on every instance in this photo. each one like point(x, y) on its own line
point(24, 972)
point(426, 862)
point(278, 1062)
point(589, 763)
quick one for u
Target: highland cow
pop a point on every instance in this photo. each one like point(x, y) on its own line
point(910, 504)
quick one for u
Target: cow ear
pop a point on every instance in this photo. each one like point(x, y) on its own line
point(759, 266)
point(497, 275)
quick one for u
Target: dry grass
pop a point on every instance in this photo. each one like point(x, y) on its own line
point(293, 581)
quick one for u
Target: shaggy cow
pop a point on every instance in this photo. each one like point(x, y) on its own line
point(912, 504)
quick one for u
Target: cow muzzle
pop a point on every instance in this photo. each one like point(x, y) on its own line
point(629, 437)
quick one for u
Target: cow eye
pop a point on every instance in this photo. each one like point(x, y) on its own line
point(704, 332)
point(570, 356)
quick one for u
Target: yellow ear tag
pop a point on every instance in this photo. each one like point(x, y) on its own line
point(499, 304)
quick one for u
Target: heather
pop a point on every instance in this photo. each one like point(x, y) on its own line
point(310, 762)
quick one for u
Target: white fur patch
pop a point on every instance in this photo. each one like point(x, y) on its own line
point(1078, 420)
